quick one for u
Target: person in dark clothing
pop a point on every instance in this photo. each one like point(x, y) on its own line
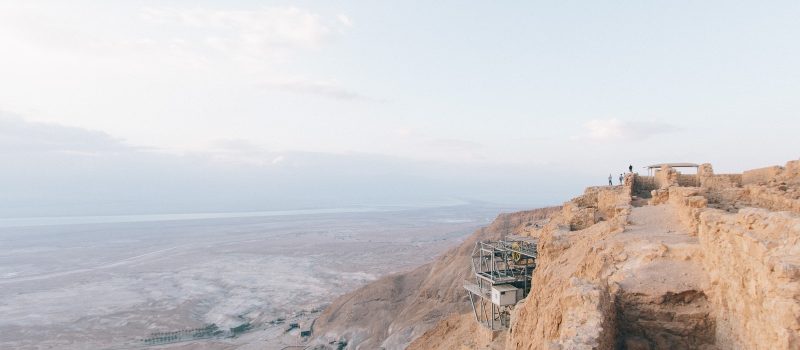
point(630, 168)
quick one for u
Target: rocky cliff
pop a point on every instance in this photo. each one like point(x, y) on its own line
point(674, 261)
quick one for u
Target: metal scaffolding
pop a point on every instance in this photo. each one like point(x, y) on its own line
point(500, 267)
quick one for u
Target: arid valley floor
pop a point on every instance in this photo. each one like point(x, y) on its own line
point(111, 285)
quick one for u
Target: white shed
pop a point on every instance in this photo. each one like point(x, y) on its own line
point(504, 294)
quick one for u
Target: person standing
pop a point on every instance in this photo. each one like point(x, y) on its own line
point(621, 179)
point(630, 168)
point(609, 180)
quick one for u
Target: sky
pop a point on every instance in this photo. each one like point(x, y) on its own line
point(179, 106)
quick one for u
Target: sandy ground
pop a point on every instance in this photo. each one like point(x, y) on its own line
point(111, 285)
point(661, 251)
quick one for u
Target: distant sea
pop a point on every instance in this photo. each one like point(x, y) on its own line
point(110, 219)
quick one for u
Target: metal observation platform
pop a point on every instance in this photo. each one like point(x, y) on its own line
point(502, 271)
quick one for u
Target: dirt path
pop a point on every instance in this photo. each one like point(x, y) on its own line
point(660, 252)
point(661, 302)
point(658, 220)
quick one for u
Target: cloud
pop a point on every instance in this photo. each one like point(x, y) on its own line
point(318, 88)
point(256, 33)
point(21, 136)
point(404, 132)
point(456, 145)
point(237, 152)
point(620, 130)
point(456, 149)
point(345, 20)
point(194, 37)
point(236, 145)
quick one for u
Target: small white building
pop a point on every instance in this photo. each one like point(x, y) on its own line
point(504, 294)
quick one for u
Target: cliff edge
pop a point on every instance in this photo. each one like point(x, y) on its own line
point(669, 261)
point(392, 311)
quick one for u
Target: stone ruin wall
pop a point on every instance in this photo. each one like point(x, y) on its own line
point(761, 175)
point(588, 319)
point(665, 177)
point(688, 180)
point(689, 202)
point(596, 204)
point(750, 257)
point(775, 188)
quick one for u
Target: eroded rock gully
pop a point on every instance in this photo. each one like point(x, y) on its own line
point(671, 321)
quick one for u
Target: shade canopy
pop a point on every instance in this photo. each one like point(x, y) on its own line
point(674, 165)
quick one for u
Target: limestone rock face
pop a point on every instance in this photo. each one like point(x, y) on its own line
point(753, 262)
